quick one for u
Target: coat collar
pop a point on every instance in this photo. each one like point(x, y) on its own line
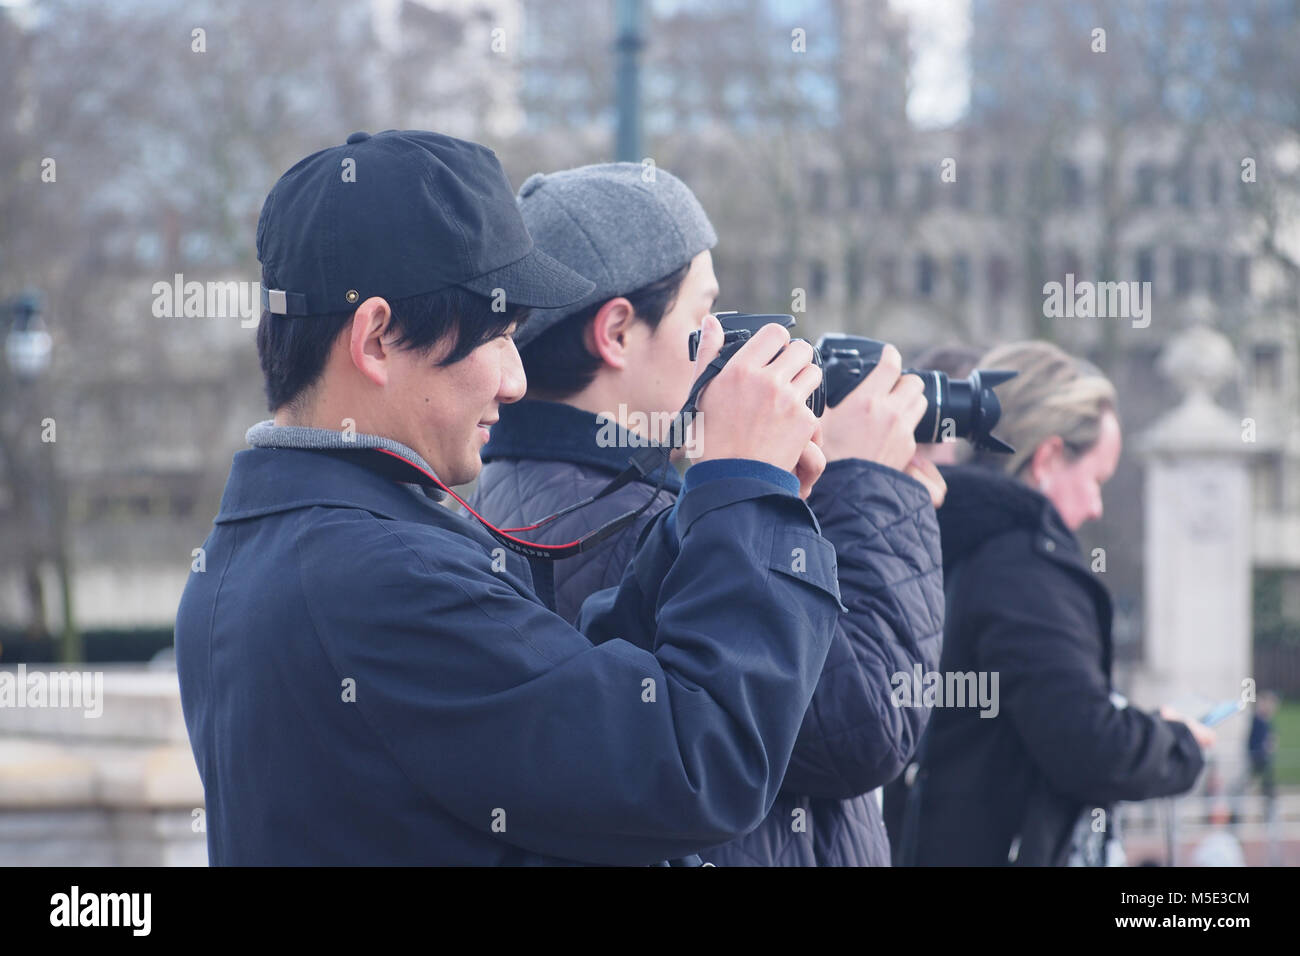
point(981, 503)
point(553, 431)
point(267, 480)
point(268, 434)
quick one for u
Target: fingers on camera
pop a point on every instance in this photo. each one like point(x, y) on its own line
point(890, 358)
point(764, 344)
point(806, 382)
point(884, 378)
point(794, 359)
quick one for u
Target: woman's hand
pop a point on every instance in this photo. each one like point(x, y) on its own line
point(1205, 737)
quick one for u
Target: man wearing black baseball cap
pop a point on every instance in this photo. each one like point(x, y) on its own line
point(368, 677)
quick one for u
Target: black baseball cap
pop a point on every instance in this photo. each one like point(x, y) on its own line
point(399, 214)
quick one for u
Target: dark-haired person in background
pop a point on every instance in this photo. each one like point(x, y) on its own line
point(363, 680)
point(619, 355)
point(1023, 604)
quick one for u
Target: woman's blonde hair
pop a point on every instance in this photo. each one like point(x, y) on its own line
point(1054, 394)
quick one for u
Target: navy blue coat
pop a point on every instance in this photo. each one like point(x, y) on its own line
point(544, 456)
point(364, 681)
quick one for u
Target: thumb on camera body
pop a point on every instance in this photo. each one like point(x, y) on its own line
point(710, 344)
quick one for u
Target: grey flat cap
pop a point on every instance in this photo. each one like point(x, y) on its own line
point(621, 225)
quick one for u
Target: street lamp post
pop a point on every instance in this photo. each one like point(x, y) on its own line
point(27, 351)
point(628, 44)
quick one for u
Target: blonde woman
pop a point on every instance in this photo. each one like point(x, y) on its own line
point(1004, 779)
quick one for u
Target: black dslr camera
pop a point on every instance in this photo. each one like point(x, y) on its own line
point(737, 327)
point(966, 408)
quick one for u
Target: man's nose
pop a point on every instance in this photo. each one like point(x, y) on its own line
point(514, 383)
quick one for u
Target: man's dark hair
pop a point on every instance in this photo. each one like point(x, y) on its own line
point(293, 349)
point(558, 363)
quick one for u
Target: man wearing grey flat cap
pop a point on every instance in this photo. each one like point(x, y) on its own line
point(606, 374)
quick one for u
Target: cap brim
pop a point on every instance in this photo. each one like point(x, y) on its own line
point(537, 281)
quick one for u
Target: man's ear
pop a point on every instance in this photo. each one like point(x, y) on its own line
point(1047, 456)
point(369, 342)
point(606, 334)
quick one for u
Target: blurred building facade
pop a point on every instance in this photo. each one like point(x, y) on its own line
point(789, 120)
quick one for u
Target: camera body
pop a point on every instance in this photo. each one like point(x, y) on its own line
point(958, 408)
point(737, 327)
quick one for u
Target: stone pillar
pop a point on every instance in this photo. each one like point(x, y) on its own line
point(1197, 539)
point(116, 789)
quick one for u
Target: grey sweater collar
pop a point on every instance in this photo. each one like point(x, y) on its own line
point(268, 434)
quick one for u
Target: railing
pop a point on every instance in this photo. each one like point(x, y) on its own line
point(1171, 831)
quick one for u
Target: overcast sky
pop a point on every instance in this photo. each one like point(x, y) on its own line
point(940, 79)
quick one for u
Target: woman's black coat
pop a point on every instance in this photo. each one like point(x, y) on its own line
point(1023, 603)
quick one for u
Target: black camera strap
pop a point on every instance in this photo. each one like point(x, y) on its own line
point(640, 465)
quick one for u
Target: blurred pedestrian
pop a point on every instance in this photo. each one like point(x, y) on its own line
point(1261, 745)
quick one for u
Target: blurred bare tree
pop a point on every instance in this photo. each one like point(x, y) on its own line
point(788, 119)
point(165, 129)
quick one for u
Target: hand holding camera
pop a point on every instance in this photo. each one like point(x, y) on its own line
point(927, 473)
point(878, 411)
point(757, 407)
point(876, 420)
